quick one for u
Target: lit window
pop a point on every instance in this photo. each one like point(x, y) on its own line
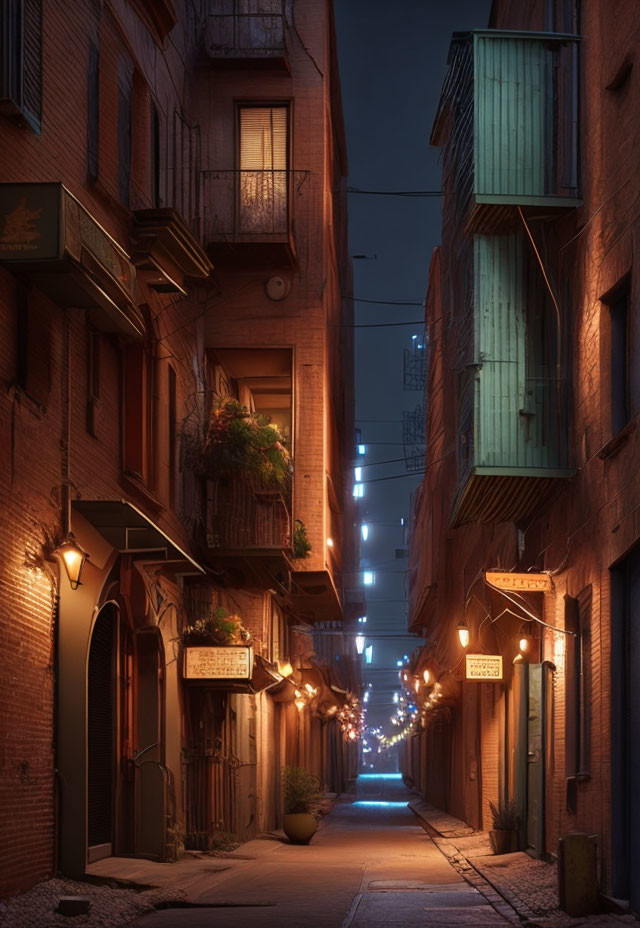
point(368, 578)
point(362, 449)
point(358, 474)
point(368, 654)
point(358, 490)
point(364, 531)
point(362, 619)
point(263, 169)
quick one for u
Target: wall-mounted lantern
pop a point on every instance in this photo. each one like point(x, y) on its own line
point(73, 557)
point(464, 634)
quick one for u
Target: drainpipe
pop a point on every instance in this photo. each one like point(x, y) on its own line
point(65, 517)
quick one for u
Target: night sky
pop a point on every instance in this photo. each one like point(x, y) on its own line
point(392, 64)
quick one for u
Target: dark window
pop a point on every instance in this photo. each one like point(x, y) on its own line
point(124, 136)
point(93, 379)
point(155, 156)
point(21, 59)
point(620, 367)
point(172, 435)
point(33, 346)
point(578, 685)
point(92, 113)
point(138, 408)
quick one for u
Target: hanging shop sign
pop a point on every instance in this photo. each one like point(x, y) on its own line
point(524, 583)
point(231, 662)
point(484, 666)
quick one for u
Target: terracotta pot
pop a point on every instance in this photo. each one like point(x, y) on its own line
point(504, 842)
point(299, 827)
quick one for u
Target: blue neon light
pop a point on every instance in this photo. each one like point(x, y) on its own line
point(380, 776)
point(379, 803)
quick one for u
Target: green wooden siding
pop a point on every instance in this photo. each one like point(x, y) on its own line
point(522, 116)
point(516, 425)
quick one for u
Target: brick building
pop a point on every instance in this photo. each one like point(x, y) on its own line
point(533, 392)
point(172, 243)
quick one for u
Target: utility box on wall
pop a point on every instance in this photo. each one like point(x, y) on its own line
point(577, 874)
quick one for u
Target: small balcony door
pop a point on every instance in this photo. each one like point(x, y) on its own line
point(264, 194)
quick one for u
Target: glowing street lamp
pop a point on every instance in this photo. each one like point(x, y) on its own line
point(426, 676)
point(463, 634)
point(73, 557)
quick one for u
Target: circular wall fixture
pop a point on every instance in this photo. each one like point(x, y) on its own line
point(277, 288)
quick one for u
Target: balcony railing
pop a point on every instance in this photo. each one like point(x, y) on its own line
point(512, 417)
point(247, 35)
point(248, 205)
point(512, 98)
point(242, 519)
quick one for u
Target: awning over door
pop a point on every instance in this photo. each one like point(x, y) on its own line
point(130, 531)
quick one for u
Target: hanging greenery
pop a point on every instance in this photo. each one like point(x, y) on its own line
point(301, 543)
point(237, 441)
point(219, 628)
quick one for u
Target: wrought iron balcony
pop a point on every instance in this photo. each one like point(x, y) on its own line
point(508, 121)
point(250, 208)
point(512, 417)
point(248, 38)
point(244, 520)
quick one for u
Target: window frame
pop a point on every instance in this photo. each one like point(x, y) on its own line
point(240, 105)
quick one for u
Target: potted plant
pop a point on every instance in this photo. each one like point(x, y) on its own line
point(506, 821)
point(219, 628)
point(301, 790)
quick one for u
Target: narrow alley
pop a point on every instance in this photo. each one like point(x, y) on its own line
point(371, 864)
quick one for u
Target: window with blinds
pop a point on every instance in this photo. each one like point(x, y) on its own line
point(263, 169)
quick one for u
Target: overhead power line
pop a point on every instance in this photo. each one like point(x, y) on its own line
point(357, 299)
point(395, 193)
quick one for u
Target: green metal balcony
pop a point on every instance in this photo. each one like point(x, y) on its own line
point(508, 120)
point(512, 416)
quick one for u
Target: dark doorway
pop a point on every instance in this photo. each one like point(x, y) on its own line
point(625, 728)
point(101, 733)
point(532, 707)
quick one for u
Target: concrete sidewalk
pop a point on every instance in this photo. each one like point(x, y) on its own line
point(528, 885)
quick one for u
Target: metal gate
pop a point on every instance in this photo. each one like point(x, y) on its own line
point(211, 798)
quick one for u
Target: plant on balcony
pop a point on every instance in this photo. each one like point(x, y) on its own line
point(238, 441)
point(301, 543)
point(219, 628)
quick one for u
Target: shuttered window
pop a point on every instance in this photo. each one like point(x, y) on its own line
point(578, 685)
point(124, 134)
point(263, 169)
point(32, 92)
point(21, 59)
point(92, 114)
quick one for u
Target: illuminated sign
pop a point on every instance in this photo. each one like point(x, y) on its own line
point(484, 666)
point(524, 583)
point(232, 662)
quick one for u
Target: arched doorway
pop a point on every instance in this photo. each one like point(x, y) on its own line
point(103, 739)
point(127, 780)
point(151, 774)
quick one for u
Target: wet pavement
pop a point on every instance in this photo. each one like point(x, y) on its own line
point(369, 865)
